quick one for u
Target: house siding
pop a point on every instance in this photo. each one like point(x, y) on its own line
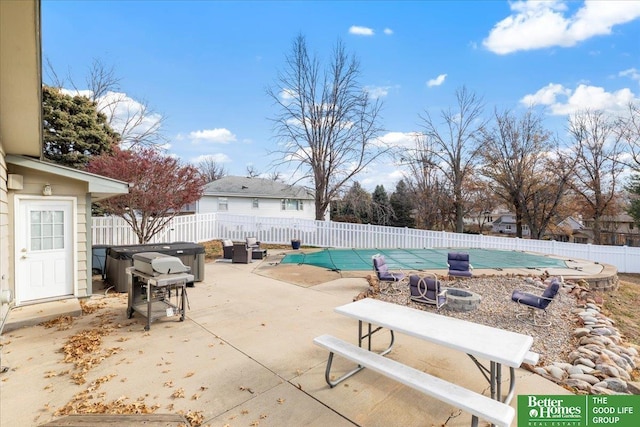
point(268, 207)
point(4, 230)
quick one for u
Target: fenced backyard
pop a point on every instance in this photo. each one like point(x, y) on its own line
point(205, 227)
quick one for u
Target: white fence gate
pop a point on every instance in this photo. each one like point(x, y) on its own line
point(213, 226)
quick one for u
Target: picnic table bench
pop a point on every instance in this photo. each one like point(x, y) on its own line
point(497, 346)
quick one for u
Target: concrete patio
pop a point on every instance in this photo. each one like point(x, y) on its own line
point(243, 357)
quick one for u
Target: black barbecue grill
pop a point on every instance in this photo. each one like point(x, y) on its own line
point(154, 281)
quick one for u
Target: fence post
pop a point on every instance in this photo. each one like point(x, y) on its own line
point(113, 229)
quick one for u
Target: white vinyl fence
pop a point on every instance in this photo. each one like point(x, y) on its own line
point(204, 227)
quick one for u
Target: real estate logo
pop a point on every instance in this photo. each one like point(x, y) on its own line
point(578, 411)
point(553, 410)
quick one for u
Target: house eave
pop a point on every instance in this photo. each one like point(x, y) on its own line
point(21, 82)
point(99, 187)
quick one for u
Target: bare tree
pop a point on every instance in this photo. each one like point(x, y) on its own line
point(629, 129)
point(252, 172)
point(136, 122)
point(210, 169)
point(597, 150)
point(453, 139)
point(547, 192)
point(516, 157)
point(427, 183)
point(54, 79)
point(327, 123)
point(481, 201)
point(275, 176)
point(101, 80)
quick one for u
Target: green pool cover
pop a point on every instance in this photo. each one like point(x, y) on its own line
point(419, 259)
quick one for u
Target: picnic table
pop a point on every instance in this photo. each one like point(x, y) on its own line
point(497, 346)
point(481, 343)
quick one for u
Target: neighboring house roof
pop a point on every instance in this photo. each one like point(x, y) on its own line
point(621, 218)
point(100, 187)
point(572, 223)
point(239, 186)
point(505, 219)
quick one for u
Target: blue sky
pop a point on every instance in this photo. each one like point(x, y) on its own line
point(204, 66)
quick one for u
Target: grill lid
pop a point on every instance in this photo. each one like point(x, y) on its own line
point(154, 263)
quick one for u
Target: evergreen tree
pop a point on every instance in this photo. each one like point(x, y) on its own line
point(355, 206)
point(401, 202)
point(381, 210)
point(74, 131)
point(634, 189)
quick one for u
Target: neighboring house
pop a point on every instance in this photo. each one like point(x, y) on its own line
point(257, 197)
point(570, 230)
point(617, 230)
point(45, 209)
point(482, 221)
point(506, 224)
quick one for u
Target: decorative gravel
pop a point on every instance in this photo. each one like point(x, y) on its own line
point(553, 343)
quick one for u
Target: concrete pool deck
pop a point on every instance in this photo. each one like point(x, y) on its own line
point(244, 356)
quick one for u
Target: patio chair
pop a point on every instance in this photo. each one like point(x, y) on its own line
point(390, 279)
point(227, 249)
point(458, 263)
point(427, 290)
point(253, 243)
point(535, 303)
point(241, 253)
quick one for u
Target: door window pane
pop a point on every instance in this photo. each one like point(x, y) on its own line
point(35, 244)
point(47, 230)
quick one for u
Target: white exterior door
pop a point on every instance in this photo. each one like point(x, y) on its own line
point(44, 249)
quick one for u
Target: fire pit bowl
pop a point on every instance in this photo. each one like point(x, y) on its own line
point(462, 300)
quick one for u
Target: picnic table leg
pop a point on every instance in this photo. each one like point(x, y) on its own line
point(369, 334)
point(512, 385)
point(327, 373)
point(492, 379)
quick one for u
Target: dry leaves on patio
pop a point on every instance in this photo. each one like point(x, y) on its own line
point(62, 323)
point(82, 404)
point(83, 350)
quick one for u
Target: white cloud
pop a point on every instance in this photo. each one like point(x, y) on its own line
point(632, 73)
point(398, 139)
point(541, 24)
point(125, 115)
point(437, 81)
point(545, 96)
point(217, 157)
point(388, 31)
point(376, 92)
point(386, 175)
point(287, 94)
point(72, 92)
point(564, 101)
point(361, 31)
point(218, 135)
